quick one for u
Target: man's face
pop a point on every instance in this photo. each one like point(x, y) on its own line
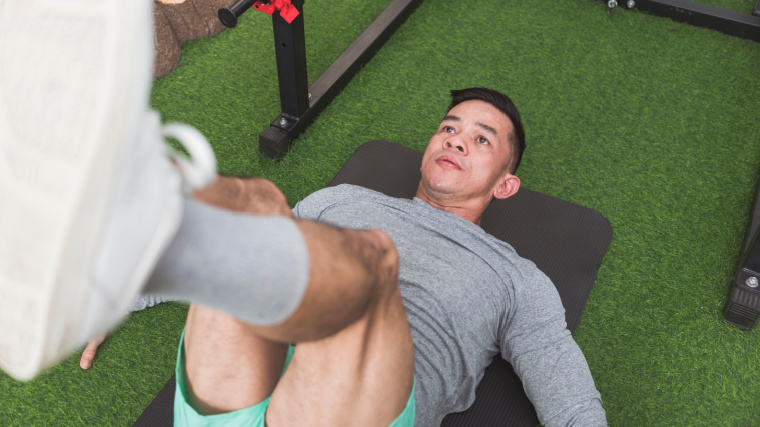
point(465, 158)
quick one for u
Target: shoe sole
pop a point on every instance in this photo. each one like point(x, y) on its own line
point(74, 90)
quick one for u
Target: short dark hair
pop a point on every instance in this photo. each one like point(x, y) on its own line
point(505, 105)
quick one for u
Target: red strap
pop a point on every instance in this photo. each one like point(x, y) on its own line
point(288, 12)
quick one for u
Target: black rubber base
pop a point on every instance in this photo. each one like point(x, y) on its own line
point(274, 142)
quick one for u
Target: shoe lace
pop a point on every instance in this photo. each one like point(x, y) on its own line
point(200, 169)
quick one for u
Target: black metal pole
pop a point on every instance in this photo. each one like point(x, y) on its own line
point(726, 21)
point(290, 48)
point(230, 15)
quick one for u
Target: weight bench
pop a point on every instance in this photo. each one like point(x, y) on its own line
point(566, 241)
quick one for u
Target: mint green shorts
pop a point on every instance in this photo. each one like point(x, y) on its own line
point(185, 415)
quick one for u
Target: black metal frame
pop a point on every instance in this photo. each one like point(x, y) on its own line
point(743, 306)
point(701, 15)
point(301, 104)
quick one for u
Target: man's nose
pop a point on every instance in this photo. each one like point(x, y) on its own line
point(456, 144)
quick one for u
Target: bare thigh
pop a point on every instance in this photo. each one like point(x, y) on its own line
point(228, 366)
point(361, 376)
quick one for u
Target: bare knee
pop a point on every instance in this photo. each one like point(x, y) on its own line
point(378, 259)
point(261, 196)
point(350, 273)
point(386, 259)
point(249, 195)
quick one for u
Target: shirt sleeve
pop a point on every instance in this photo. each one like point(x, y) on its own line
point(553, 370)
point(310, 207)
point(315, 204)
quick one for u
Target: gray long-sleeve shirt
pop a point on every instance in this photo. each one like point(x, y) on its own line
point(470, 296)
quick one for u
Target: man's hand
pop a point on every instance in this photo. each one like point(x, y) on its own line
point(88, 355)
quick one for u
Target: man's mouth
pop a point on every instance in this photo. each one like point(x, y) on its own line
point(448, 162)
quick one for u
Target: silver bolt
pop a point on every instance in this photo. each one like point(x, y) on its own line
point(283, 121)
point(611, 4)
point(309, 97)
point(631, 4)
point(751, 282)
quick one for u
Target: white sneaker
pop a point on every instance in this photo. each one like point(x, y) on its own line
point(88, 197)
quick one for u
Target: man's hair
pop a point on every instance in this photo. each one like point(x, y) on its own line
point(505, 105)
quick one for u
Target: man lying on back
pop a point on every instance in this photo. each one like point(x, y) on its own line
point(467, 297)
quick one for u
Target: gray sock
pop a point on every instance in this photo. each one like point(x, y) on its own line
point(253, 267)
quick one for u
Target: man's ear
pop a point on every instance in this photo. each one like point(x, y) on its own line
point(507, 187)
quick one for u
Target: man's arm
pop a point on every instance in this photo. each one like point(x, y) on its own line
point(542, 351)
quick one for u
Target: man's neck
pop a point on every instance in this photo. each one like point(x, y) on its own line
point(471, 210)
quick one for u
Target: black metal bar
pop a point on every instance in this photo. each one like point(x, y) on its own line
point(274, 141)
point(702, 15)
point(754, 219)
point(757, 8)
point(337, 76)
point(229, 15)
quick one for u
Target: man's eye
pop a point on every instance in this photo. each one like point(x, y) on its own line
point(482, 140)
point(448, 129)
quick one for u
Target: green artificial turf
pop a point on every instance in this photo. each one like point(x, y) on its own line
point(651, 122)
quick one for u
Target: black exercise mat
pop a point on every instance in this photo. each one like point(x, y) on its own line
point(565, 240)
